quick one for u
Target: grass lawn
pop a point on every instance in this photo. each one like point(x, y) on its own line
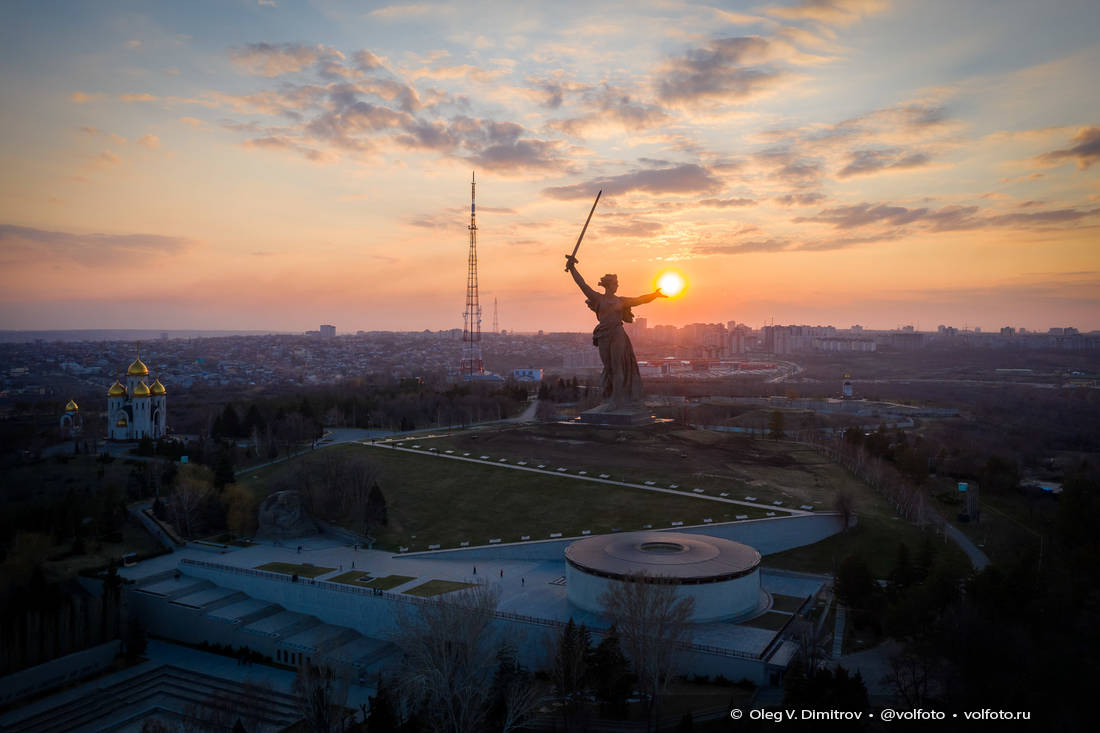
point(715, 462)
point(770, 620)
point(287, 568)
point(353, 577)
point(436, 500)
point(386, 582)
point(875, 539)
point(790, 604)
point(437, 588)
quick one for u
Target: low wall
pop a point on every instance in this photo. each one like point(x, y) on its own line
point(57, 672)
point(766, 536)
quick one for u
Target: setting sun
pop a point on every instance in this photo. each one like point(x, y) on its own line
point(670, 283)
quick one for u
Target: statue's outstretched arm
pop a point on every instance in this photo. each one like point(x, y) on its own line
point(643, 299)
point(588, 292)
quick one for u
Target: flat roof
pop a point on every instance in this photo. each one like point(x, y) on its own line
point(675, 555)
point(241, 609)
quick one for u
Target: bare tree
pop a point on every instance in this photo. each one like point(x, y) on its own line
point(322, 695)
point(449, 658)
point(653, 623)
point(845, 503)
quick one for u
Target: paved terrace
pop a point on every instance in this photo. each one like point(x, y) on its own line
point(528, 588)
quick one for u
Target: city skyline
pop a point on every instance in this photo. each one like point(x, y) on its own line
point(277, 165)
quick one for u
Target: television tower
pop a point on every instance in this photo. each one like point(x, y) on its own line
point(496, 321)
point(471, 319)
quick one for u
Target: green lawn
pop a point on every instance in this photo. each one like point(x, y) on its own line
point(437, 588)
point(353, 577)
point(305, 571)
point(437, 500)
point(386, 582)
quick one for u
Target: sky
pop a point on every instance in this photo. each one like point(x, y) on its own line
point(277, 164)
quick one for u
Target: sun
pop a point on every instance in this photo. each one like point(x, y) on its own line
point(670, 283)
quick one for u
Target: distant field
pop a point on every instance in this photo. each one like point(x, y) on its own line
point(437, 588)
point(305, 571)
point(435, 500)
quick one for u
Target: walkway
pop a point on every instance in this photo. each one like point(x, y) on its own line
point(978, 559)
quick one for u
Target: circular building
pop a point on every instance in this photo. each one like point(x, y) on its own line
point(722, 576)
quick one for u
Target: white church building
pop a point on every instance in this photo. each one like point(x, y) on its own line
point(136, 410)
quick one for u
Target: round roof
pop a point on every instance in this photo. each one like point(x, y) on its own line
point(157, 388)
point(686, 557)
point(116, 390)
point(71, 406)
point(141, 389)
point(137, 369)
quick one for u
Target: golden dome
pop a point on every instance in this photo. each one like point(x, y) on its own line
point(141, 390)
point(137, 369)
point(116, 390)
point(158, 388)
point(71, 406)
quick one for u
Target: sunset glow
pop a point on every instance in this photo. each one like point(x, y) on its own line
point(670, 283)
point(277, 165)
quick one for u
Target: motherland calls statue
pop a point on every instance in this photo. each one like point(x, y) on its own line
point(621, 384)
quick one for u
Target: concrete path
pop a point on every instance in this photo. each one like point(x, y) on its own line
point(594, 479)
point(978, 559)
point(838, 630)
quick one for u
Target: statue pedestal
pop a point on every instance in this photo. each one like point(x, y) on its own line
point(623, 417)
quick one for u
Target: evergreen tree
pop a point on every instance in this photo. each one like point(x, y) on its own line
point(375, 513)
point(383, 713)
point(610, 673)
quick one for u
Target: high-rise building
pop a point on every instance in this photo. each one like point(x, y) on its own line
point(328, 331)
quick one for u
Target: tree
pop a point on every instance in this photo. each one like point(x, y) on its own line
point(569, 671)
point(322, 696)
point(610, 673)
point(449, 658)
point(854, 585)
point(376, 513)
point(383, 714)
point(514, 698)
point(240, 510)
point(775, 425)
point(845, 503)
point(653, 622)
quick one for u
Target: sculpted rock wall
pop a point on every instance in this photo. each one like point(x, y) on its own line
point(283, 515)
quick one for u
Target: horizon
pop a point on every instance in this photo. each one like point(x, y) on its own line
point(270, 166)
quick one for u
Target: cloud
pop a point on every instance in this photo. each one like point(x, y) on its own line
point(150, 141)
point(142, 97)
point(831, 12)
point(860, 215)
point(1085, 149)
point(192, 121)
point(865, 162)
point(88, 249)
point(718, 72)
point(84, 97)
point(268, 3)
point(726, 203)
point(948, 218)
point(276, 59)
point(682, 179)
point(367, 61)
point(636, 228)
point(799, 199)
point(609, 104)
point(107, 157)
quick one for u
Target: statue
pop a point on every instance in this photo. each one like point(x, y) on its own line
point(621, 383)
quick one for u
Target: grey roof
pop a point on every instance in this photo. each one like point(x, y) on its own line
point(671, 554)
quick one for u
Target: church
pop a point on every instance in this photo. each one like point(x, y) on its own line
point(136, 410)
